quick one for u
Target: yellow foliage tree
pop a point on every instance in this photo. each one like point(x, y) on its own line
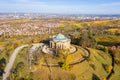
point(109, 68)
point(62, 25)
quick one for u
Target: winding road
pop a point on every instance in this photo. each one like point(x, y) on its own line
point(87, 54)
point(13, 56)
point(11, 62)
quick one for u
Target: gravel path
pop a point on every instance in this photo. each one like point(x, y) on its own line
point(11, 62)
point(36, 46)
point(74, 63)
point(13, 56)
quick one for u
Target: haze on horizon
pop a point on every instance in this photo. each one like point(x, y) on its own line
point(61, 6)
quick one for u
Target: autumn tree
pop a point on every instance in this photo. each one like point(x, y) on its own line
point(65, 60)
point(2, 65)
point(87, 39)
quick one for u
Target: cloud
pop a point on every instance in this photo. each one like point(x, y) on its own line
point(49, 7)
point(22, 0)
point(31, 2)
point(111, 4)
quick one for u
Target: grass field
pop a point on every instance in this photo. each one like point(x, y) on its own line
point(89, 69)
point(116, 75)
point(108, 40)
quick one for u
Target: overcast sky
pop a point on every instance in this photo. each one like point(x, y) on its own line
point(61, 6)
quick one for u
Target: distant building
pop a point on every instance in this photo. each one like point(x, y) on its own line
point(60, 42)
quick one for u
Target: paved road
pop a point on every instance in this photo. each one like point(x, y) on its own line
point(36, 46)
point(11, 62)
point(13, 56)
point(84, 58)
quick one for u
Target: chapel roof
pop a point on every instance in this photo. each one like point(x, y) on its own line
point(60, 37)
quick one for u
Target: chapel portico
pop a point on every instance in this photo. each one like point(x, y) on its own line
point(60, 42)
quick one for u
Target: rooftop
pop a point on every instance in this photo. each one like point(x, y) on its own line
point(60, 37)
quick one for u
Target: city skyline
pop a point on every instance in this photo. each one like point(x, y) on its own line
point(61, 6)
